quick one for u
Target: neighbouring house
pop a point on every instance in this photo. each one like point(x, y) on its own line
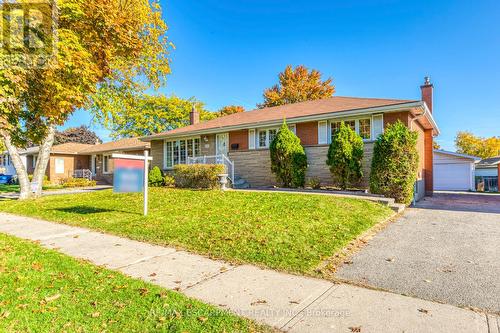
point(6, 166)
point(81, 160)
point(244, 138)
point(454, 171)
point(487, 173)
point(64, 160)
point(101, 163)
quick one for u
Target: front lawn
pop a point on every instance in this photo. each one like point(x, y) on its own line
point(5, 188)
point(44, 291)
point(285, 231)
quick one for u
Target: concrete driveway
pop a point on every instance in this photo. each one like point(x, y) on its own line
point(447, 249)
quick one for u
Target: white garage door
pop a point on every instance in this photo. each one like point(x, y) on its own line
point(452, 177)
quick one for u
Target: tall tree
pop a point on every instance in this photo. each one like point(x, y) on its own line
point(297, 85)
point(81, 134)
point(468, 143)
point(144, 114)
point(99, 43)
point(230, 109)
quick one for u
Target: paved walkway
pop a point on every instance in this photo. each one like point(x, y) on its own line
point(288, 302)
point(447, 250)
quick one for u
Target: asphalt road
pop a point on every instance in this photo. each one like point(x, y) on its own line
point(447, 250)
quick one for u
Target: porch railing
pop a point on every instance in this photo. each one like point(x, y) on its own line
point(215, 159)
point(83, 173)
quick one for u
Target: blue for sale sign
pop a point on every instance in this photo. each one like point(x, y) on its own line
point(128, 176)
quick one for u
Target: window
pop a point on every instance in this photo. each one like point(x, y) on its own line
point(178, 151)
point(105, 163)
point(360, 126)
point(33, 161)
point(266, 136)
point(365, 129)
point(262, 139)
point(59, 165)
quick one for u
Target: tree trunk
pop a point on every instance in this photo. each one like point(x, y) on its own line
point(22, 174)
point(43, 160)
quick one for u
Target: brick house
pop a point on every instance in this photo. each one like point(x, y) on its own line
point(63, 161)
point(69, 159)
point(244, 138)
point(101, 163)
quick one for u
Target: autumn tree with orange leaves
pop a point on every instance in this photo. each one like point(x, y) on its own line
point(297, 85)
point(98, 45)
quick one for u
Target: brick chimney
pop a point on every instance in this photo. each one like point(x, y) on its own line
point(427, 91)
point(194, 116)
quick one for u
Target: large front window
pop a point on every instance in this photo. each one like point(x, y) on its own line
point(178, 151)
point(360, 126)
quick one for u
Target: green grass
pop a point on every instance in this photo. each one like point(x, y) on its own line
point(4, 188)
point(284, 231)
point(44, 291)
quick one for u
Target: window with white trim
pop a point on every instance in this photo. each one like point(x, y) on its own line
point(266, 136)
point(178, 151)
point(360, 126)
point(59, 165)
point(105, 163)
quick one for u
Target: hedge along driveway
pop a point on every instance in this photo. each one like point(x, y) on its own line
point(289, 232)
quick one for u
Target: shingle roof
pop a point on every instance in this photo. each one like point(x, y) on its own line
point(123, 144)
point(289, 111)
point(69, 148)
point(489, 162)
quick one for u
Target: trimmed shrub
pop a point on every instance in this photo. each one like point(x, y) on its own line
point(288, 158)
point(155, 177)
point(395, 163)
point(78, 182)
point(200, 176)
point(314, 183)
point(168, 181)
point(345, 156)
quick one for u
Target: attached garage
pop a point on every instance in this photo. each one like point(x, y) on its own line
point(453, 171)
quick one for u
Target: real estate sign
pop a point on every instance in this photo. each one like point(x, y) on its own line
point(131, 175)
point(128, 176)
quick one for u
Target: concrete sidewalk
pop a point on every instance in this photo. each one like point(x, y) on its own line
point(288, 302)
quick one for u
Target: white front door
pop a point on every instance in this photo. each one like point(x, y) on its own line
point(222, 144)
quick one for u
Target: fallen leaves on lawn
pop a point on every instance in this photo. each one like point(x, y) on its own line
point(95, 315)
point(143, 291)
point(36, 266)
point(202, 319)
point(52, 298)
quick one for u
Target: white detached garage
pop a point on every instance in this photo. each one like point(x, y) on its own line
point(454, 171)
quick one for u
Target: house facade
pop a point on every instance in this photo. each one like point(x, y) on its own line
point(100, 162)
point(245, 137)
point(81, 160)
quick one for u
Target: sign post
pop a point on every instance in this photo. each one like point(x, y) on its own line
point(131, 175)
point(146, 181)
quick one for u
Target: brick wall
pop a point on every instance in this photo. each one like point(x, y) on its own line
point(240, 138)
point(208, 147)
point(71, 163)
point(157, 153)
point(390, 118)
point(308, 133)
point(255, 165)
point(428, 162)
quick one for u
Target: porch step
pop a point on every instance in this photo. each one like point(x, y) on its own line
point(240, 183)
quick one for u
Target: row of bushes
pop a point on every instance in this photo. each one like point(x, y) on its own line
point(199, 176)
point(393, 170)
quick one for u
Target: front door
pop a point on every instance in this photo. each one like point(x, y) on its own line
point(222, 144)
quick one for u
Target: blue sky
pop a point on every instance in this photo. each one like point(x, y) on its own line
point(229, 51)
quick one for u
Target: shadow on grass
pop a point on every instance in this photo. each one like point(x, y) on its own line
point(86, 210)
